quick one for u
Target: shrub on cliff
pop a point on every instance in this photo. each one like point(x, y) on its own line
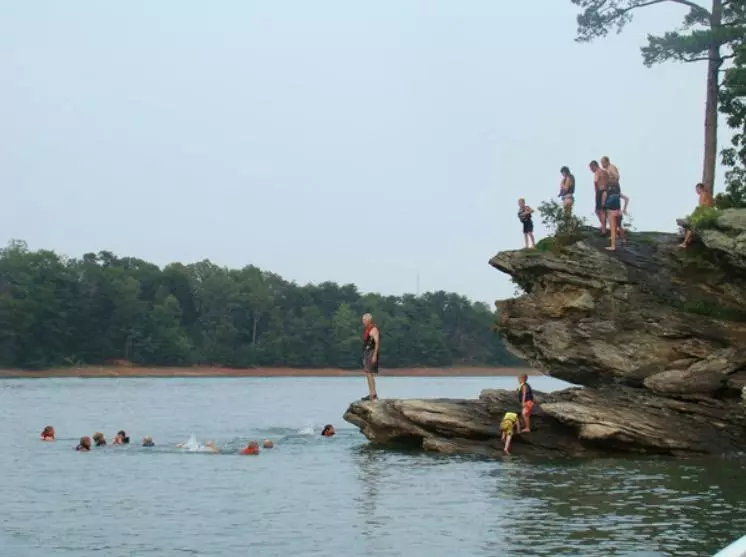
point(563, 226)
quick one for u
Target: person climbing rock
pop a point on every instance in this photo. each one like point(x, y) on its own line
point(509, 426)
point(524, 215)
point(526, 397)
point(371, 347)
point(705, 200)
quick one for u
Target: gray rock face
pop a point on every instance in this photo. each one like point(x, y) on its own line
point(656, 335)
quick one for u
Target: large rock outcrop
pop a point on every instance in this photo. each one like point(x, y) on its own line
point(656, 334)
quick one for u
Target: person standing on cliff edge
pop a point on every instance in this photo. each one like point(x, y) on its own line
point(371, 346)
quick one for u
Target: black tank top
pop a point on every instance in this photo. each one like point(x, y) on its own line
point(529, 393)
point(369, 344)
point(524, 217)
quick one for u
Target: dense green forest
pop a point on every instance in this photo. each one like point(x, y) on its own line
point(101, 308)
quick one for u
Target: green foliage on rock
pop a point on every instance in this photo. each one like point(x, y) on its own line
point(562, 225)
point(102, 308)
point(703, 218)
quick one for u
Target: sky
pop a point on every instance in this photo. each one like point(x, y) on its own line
point(380, 143)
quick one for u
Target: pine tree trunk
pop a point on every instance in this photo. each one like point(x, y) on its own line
point(714, 61)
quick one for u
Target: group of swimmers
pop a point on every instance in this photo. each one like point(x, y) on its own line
point(608, 202)
point(86, 443)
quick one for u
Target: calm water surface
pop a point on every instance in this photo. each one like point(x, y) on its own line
point(323, 497)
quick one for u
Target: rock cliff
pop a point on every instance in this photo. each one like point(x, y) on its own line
point(655, 334)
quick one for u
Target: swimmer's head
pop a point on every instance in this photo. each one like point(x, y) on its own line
point(267, 444)
point(85, 443)
point(98, 438)
point(565, 171)
point(328, 430)
point(123, 436)
point(593, 165)
point(605, 162)
point(48, 431)
point(521, 202)
point(148, 442)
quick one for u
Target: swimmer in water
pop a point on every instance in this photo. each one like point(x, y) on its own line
point(84, 445)
point(267, 444)
point(98, 439)
point(121, 438)
point(251, 449)
point(328, 430)
point(47, 434)
point(148, 442)
point(210, 446)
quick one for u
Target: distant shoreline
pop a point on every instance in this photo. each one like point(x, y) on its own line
point(114, 371)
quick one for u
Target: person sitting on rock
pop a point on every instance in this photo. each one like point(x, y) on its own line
point(526, 398)
point(705, 200)
point(509, 426)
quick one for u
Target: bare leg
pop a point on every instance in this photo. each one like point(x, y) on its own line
point(526, 420)
point(602, 219)
point(525, 240)
point(687, 238)
point(531, 237)
point(508, 439)
point(371, 385)
point(612, 226)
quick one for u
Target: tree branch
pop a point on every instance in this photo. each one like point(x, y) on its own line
point(689, 3)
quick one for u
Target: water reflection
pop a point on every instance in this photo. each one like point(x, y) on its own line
point(688, 508)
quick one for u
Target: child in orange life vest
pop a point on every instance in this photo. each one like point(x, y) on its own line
point(526, 397)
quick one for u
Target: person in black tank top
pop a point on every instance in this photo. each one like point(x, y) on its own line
point(371, 347)
point(524, 215)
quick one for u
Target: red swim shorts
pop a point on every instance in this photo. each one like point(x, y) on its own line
point(528, 406)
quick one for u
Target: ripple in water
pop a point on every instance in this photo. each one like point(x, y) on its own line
point(314, 496)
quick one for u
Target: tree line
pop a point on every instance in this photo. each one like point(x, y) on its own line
point(99, 309)
point(713, 32)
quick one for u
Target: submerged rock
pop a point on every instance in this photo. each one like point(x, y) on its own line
point(656, 335)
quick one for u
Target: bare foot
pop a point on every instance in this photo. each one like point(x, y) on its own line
point(682, 245)
point(525, 431)
point(610, 248)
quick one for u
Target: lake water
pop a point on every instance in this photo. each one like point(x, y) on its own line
point(323, 497)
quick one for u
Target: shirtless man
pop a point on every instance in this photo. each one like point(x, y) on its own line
point(600, 180)
point(611, 170)
point(371, 346)
point(705, 200)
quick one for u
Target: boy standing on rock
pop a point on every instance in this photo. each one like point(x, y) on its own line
point(526, 396)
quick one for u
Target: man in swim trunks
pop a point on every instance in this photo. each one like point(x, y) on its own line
point(600, 180)
point(526, 397)
point(509, 426)
point(705, 200)
point(371, 346)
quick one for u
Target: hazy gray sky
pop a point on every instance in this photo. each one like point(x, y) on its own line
point(334, 140)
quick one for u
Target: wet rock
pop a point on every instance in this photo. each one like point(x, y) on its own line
point(654, 333)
